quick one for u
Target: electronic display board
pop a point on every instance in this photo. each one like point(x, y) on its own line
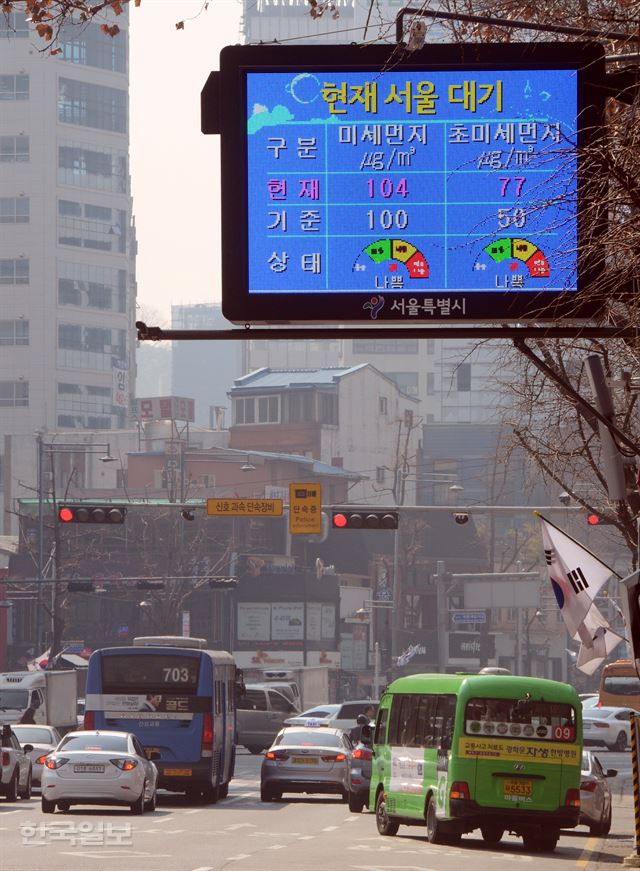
point(443, 186)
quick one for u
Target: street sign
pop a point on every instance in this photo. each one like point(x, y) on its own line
point(469, 617)
point(443, 186)
point(305, 509)
point(245, 507)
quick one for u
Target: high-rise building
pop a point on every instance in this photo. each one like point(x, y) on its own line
point(67, 244)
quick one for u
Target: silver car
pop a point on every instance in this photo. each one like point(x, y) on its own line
point(43, 740)
point(595, 794)
point(306, 759)
point(608, 726)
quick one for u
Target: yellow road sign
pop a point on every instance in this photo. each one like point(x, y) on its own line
point(245, 507)
point(305, 509)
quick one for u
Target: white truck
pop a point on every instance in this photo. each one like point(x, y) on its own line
point(310, 684)
point(50, 696)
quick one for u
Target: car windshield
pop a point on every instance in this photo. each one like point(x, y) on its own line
point(13, 699)
point(591, 702)
point(309, 738)
point(117, 743)
point(29, 735)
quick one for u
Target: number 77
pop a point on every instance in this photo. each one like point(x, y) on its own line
point(505, 184)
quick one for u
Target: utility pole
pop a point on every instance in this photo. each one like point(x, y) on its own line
point(442, 615)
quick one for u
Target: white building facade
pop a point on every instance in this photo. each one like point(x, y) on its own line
point(67, 245)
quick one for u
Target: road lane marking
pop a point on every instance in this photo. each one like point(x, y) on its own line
point(277, 847)
point(240, 826)
point(204, 868)
point(587, 853)
point(237, 858)
point(197, 810)
point(330, 829)
point(120, 854)
point(307, 838)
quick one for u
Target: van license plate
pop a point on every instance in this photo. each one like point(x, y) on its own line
point(178, 772)
point(518, 787)
point(305, 760)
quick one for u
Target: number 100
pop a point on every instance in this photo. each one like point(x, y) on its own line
point(388, 219)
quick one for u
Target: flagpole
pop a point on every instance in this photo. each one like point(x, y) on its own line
point(579, 544)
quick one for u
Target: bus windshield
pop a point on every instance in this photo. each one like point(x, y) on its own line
point(160, 672)
point(521, 718)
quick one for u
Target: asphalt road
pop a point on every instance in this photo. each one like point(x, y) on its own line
point(298, 834)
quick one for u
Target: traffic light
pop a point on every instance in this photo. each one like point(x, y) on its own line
point(345, 519)
point(91, 513)
point(223, 583)
point(597, 520)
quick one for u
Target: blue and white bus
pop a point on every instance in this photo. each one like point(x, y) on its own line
point(179, 699)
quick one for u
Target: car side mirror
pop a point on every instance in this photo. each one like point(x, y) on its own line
point(28, 748)
point(611, 772)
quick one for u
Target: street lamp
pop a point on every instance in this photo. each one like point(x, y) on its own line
point(367, 611)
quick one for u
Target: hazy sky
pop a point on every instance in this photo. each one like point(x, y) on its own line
point(174, 167)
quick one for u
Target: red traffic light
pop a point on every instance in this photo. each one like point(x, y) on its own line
point(593, 520)
point(91, 514)
point(365, 519)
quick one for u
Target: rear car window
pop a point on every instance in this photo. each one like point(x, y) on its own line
point(117, 743)
point(351, 710)
point(620, 685)
point(309, 738)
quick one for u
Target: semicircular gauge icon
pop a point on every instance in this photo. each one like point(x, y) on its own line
point(399, 251)
point(515, 250)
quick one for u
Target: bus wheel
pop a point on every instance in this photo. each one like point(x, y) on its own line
point(385, 825)
point(255, 749)
point(538, 841)
point(435, 835)
point(492, 834)
point(209, 794)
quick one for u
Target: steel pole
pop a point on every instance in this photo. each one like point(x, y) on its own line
point(40, 548)
point(636, 785)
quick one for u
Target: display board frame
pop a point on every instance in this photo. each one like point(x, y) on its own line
point(294, 306)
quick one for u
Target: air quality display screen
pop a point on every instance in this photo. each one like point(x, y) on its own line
point(411, 181)
point(448, 185)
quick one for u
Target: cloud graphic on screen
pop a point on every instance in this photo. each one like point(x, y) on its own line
point(264, 118)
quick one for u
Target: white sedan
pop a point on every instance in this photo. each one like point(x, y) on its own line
point(99, 767)
point(43, 739)
point(608, 726)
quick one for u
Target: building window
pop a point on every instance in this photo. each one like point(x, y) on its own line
point(431, 346)
point(14, 332)
point(14, 394)
point(14, 210)
point(463, 377)
point(245, 411)
point(14, 271)
point(382, 405)
point(14, 149)
point(99, 287)
point(268, 409)
point(96, 168)
point(431, 383)
point(300, 407)
point(89, 47)
point(87, 226)
point(14, 24)
point(328, 408)
point(388, 346)
point(92, 105)
point(14, 87)
point(406, 381)
point(380, 474)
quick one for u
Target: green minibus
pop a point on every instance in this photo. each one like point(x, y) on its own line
point(458, 752)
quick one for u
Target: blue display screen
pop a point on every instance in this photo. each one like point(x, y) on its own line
point(415, 183)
